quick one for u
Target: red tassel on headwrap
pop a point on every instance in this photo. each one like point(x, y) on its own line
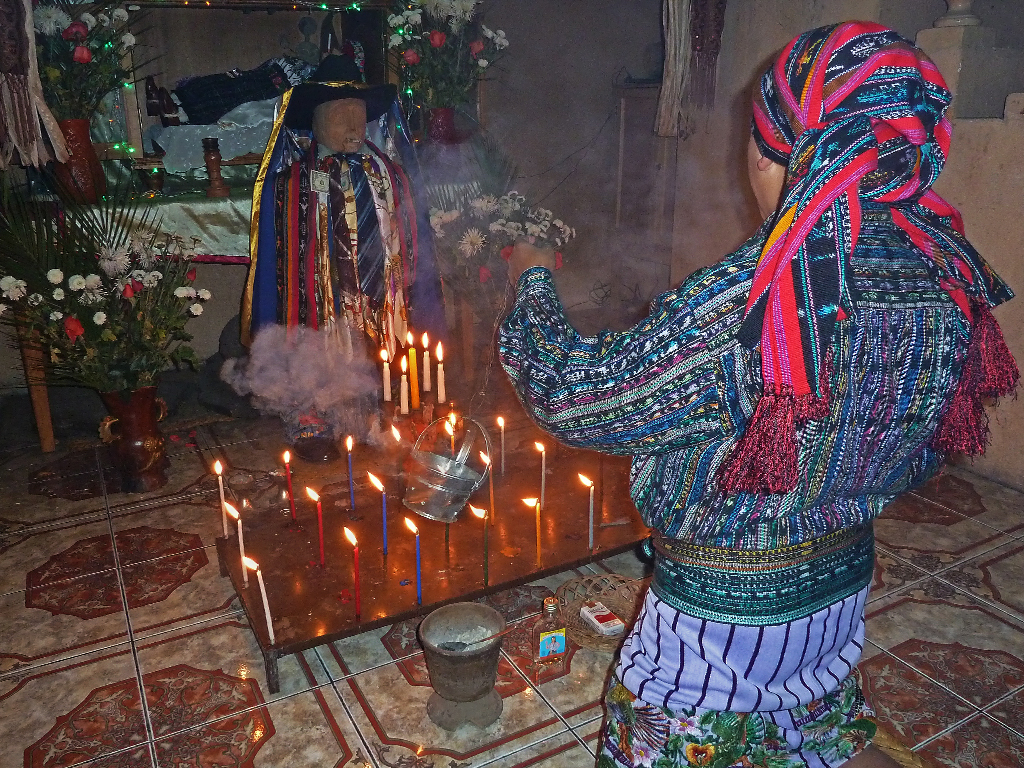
point(764, 460)
point(989, 371)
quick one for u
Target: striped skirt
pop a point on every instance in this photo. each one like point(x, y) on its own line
point(692, 691)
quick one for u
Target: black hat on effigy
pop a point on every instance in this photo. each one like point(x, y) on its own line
point(337, 77)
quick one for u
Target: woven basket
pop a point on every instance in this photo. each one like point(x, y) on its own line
point(620, 595)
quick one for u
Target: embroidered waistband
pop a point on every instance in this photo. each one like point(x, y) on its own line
point(767, 586)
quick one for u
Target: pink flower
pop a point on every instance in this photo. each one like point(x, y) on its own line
point(475, 47)
point(437, 38)
point(82, 55)
point(77, 30)
point(506, 252)
point(558, 259)
point(191, 274)
point(485, 274)
point(411, 57)
point(73, 328)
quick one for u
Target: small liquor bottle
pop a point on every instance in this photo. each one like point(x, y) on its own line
point(549, 634)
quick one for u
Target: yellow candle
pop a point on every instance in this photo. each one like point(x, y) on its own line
point(414, 384)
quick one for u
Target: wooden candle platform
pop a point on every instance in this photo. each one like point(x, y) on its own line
point(312, 606)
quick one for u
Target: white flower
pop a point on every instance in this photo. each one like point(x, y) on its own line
point(497, 226)
point(55, 276)
point(184, 292)
point(103, 19)
point(35, 299)
point(395, 40)
point(127, 41)
point(114, 261)
point(395, 20)
point(99, 318)
point(120, 15)
point(482, 63)
point(89, 298)
point(93, 282)
point(13, 288)
point(484, 205)
point(500, 41)
point(413, 17)
point(88, 19)
point(472, 242)
point(76, 282)
point(196, 309)
point(55, 316)
point(151, 279)
point(3, 308)
point(204, 295)
point(533, 229)
point(488, 33)
point(138, 274)
point(50, 20)
point(58, 294)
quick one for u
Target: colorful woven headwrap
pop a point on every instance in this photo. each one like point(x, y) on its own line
point(856, 113)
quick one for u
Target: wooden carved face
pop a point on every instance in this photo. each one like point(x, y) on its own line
point(340, 125)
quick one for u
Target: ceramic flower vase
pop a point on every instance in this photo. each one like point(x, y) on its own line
point(82, 175)
point(441, 126)
point(137, 447)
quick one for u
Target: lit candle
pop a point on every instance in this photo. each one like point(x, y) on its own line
point(414, 383)
point(219, 469)
point(351, 479)
point(383, 506)
point(387, 375)
point(404, 390)
point(426, 363)
point(440, 374)
point(288, 474)
point(451, 433)
point(490, 477)
point(501, 426)
point(535, 503)
point(396, 434)
point(253, 565)
point(543, 469)
point(590, 484)
point(355, 566)
point(482, 514)
point(419, 572)
point(241, 542)
point(319, 520)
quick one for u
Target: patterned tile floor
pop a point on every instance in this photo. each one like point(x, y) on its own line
point(121, 645)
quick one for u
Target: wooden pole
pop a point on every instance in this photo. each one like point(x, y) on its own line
point(35, 378)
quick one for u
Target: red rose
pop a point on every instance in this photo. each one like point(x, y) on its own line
point(506, 252)
point(191, 274)
point(411, 57)
point(73, 328)
point(77, 30)
point(485, 274)
point(558, 259)
point(82, 55)
point(437, 39)
point(475, 47)
point(128, 291)
point(136, 286)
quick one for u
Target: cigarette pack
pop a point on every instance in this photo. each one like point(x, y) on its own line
point(600, 618)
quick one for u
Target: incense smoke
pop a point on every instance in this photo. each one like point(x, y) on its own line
point(291, 371)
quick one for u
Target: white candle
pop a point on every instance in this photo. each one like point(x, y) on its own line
point(440, 374)
point(426, 363)
point(219, 469)
point(263, 593)
point(590, 484)
point(241, 542)
point(404, 397)
point(543, 470)
point(387, 375)
point(501, 426)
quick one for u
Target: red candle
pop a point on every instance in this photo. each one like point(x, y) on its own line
point(319, 520)
point(355, 555)
point(288, 474)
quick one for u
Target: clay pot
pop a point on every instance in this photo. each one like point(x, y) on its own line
point(441, 126)
point(137, 447)
point(82, 175)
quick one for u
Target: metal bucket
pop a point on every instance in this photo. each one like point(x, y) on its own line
point(437, 486)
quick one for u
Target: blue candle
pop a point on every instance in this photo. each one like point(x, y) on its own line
point(383, 505)
point(419, 572)
point(351, 480)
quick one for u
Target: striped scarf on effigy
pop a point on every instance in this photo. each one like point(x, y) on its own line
point(857, 114)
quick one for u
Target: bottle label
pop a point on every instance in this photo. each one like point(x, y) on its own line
point(552, 644)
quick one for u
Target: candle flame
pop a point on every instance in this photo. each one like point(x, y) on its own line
point(218, 467)
point(531, 502)
point(452, 417)
point(412, 526)
point(384, 355)
point(405, 365)
point(440, 353)
point(540, 447)
point(350, 536)
point(376, 483)
point(425, 340)
point(245, 503)
point(396, 434)
point(230, 509)
point(312, 494)
point(408, 338)
point(481, 513)
point(449, 429)
point(501, 422)
point(251, 564)
point(485, 458)
point(586, 480)
point(287, 457)
point(348, 443)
